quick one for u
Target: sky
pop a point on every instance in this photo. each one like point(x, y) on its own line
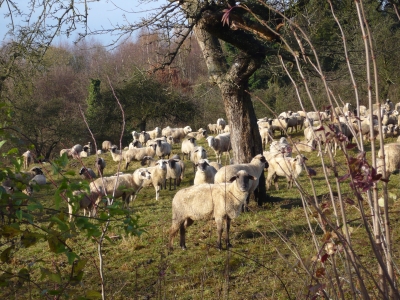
point(102, 13)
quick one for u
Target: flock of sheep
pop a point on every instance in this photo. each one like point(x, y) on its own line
point(218, 192)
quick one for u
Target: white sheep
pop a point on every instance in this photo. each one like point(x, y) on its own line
point(99, 165)
point(120, 186)
point(163, 149)
point(198, 153)
point(221, 202)
point(289, 167)
point(220, 144)
point(117, 155)
point(188, 146)
point(392, 159)
point(144, 137)
point(221, 123)
point(137, 154)
point(205, 172)
point(198, 135)
point(212, 128)
point(106, 145)
point(158, 176)
point(155, 133)
point(28, 159)
point(136, 144)
point(176, 133)
point(87, 173)
point(135, 135)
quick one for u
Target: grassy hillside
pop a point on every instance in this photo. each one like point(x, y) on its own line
point(263, 263)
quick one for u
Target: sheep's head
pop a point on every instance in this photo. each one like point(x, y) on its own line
point(37, 170)
point(143, 173)
point(82, 170)
point(162, 164)
point(187, 129)
point(202, 165)
point(242, 179)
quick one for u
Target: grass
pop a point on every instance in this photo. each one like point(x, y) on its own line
point(259, 266)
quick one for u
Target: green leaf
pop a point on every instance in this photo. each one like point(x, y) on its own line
point(71, 257)
point(30, 238)
point(2, 143)
point(93, 294)
point(5, 255)
point(33, 206)
point(62, 225)
point(56, 277)
point(18, 213)
point(9, 231)
point(80, 265)
point(55, 245)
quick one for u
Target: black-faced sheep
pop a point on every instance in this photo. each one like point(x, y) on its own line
point(205, 172)
point(87, 173)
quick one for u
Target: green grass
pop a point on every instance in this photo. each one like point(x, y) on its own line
point(259, 266)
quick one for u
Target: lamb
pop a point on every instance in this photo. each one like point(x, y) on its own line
point(155, 133)
point(206, 201)
point(392, 159)
point(85, 203)
point(100, 165)
point(220, 144)
point(205, 172)
point(221, 125)
point(255, 167)
point(174, 171)
point(188, 146)
point(87, 173)
point(28, 159)
point(163, 149)
point(106, 145)
point(289, 167)
point(120, 186)
point(138, 154)
point(158, 176)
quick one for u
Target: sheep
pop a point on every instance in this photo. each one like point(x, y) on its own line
point(144, 137)
point(206, 201)
point(212, 128)
point(136, 144)
point(38, 179)
point(176, 133)
point(181, 163)
point(255, 167)
point(155, 133)
point(158, 176)
point(174, 171)
point(279, 124)
point(392, 159)
point(205, 172)
point(87, 173)
point(305, 146)
point(138, 154)
point(227, 129)
point(279, 148)
point(85, 203)
point(120, 186)
point(289, 167)
point(116, 154)
point(390, 118)
point(106, 145)
point(221, 125)
point(85, 152)
point(163, 149)
point(188, 146)
point(100, 165)
point(198, 135)
point(28, 158)
point(135, 135)
point(266, 135)
point(389, 106)
point(220, 144)
point(88, 147)
point(198, 153)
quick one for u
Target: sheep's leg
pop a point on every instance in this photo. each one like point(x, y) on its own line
point(182, 230)
point(276, 183)
point(228, 226)
point(172, 232)
point(219, 222)
point(158, 187)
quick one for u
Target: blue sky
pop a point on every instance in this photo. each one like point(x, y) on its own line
point(104, 13)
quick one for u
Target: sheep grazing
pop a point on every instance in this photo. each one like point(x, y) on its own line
point(289, 167)
point(158, 176)
point(221, 125)
point(188, 146)
point(174, 171)
point(223, 202)
point(205, 172)
point(163, 149)
point(220, 144)
point(87, 173)
point(392, 159)
point(28, 159)
point(85, 203)
point(137, 154)
point(99, 165)
point(120, 186)
point(106, 145)
point(255, 167)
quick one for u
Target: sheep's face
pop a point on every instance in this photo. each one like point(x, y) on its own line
point(144, 174)
point(37, 171)
point(82, 170)
point(202, 165)
point(162, 164)
point(242, 180)
point(187, 129)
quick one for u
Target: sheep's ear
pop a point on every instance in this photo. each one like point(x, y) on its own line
point(233, 178)
point(252, 177)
